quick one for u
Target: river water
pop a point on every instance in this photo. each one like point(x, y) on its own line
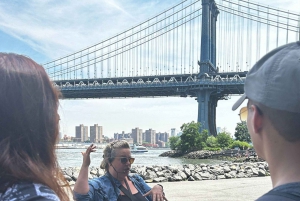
point(73, 158)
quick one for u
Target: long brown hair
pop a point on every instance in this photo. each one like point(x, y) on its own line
point(28, 125)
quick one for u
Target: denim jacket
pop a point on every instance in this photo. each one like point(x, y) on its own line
point(102, 189)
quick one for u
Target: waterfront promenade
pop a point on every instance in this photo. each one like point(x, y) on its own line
point(219, 190)
point(225, 189)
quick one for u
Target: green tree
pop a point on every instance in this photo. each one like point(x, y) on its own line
point(174, 142)
point(239, 144)
point(191, 139)
point(241, 132)
point(211, 142)
point(204, 136)
point(167, 144)
point(224, 140)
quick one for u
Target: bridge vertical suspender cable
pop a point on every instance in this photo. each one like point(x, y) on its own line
point(149, 53)
point(177, 46)
point(298, 29)
point(190, 43)
point(224, 42)
point(156, 51)
point(250, 51)
point(115, 59)
point(142, 72)
point(184, 56)
point(88, 66)
point(287, 29)
point(277, 30)
point(257, 36)
point(229, 42)
point(238, 57)
point(95, 65)
point(74, 67)
point(173, 46)
point(229, 45)
point(242, 43)
point(166, 47)
point(81, 69)
point(193, 43)
point(130, 59)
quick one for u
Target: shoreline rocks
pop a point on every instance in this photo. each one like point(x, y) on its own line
point(186, 172)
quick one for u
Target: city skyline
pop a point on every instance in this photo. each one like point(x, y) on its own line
point(88, 129)
point(53, 29)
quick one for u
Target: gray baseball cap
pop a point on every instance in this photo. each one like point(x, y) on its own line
point(274, 80)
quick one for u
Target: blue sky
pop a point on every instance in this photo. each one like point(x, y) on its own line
point(48, 29)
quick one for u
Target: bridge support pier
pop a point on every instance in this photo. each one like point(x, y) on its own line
point(207, 104)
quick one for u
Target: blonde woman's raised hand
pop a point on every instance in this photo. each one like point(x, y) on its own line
point(86, 155)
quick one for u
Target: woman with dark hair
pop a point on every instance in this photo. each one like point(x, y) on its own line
point(29, 125)
point(116, 184)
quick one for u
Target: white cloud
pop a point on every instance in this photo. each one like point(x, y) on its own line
point(56, 28)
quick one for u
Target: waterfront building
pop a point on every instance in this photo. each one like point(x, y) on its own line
point(129, 140)
point(96, 134)
point(144, 137)
point(67, 138)
point(118, 136)
point(81, 133)
point(173, 131)
point(60, 136)
point(161, 143)
point(164, 137)
point(150, 136)
point(137, 135)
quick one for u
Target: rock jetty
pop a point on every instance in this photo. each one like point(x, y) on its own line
point(224, 155)
point(187, 172)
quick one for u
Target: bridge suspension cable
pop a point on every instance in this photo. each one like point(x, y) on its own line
point(249, 30)
point(169, 43)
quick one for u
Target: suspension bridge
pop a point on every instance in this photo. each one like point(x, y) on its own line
point(196, 48)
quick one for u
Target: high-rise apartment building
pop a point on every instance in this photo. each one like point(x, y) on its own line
point(137, 135)
point(150, 136)
point(82, 132)
point(173, 130)
point(162, 136)
point(96, 133)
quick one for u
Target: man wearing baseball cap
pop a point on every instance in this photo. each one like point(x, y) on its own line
point(272, 88)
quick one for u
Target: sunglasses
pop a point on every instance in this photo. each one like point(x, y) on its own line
point(243, 113)
point(124, 160)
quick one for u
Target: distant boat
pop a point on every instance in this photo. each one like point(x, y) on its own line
point(138, 149)
point(69, 146)
point(76, 146)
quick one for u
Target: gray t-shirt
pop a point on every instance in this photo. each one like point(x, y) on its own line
point(27, 191)
point(290, 191)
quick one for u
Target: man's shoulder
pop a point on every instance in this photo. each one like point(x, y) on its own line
point(29, 191)
point(290, 191)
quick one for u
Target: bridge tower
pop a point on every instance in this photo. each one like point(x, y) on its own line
point(207, 97)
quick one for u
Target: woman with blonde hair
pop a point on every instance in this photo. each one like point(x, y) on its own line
point(29, 125)
point(116, 184)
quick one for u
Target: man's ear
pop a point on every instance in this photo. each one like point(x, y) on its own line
point(257, 119)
